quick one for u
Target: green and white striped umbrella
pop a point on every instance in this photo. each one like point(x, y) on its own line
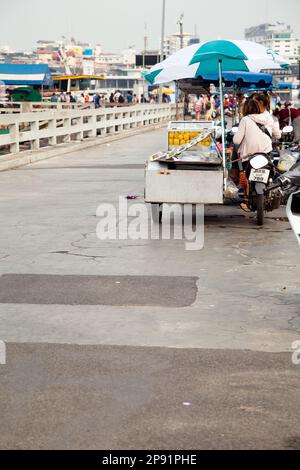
point(244, 56)
point(216, 57)
point(203, 59)
point(175, 67)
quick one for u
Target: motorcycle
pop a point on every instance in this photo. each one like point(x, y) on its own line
point(287, 134)
point(260, 172)
point(289, 184)
point(293, 212)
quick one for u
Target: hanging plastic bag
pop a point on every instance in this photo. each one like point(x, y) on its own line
point(287, 161)
point(232, 191)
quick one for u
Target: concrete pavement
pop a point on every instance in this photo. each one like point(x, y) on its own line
point(231, 308)
point(107, 397)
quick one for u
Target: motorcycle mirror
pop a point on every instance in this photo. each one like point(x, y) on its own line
point(293, 212)
point(287, 129)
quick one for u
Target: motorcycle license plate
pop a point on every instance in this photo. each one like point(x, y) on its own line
point(260, 176)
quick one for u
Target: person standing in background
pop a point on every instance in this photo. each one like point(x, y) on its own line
point(96, 100)
point(117, 96)
point(291, 117)
point(53, 98)
point(86, 101)
point(68, 98)
point(241, 103)
point(205, 105)
point(62, 98)
point(81, 99)
point(209, 107)
point(198, 107)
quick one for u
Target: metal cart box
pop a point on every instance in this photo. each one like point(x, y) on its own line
point(199, 186)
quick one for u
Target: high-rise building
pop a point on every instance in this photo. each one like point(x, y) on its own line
point(276, 36)
point(173, 42)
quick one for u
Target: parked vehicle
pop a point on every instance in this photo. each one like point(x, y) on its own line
point(260, 172)
point(289, 184)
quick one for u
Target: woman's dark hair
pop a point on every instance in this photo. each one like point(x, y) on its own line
point(251, 106)
point(263, 98)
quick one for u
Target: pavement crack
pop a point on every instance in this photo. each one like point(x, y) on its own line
point(84, 237)
point(69, 253)
point(245, 254)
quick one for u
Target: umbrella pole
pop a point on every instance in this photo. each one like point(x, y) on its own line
point(223, 122)
point(176, 101)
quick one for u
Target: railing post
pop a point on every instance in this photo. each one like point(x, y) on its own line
point(93, 125)
point(34, 128)
point(67, 127)
point(15, 135)
point(52, 127)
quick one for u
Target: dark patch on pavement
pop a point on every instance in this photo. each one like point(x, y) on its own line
point(105, 397)
point(98, 290)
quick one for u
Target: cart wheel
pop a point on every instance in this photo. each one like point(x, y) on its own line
point(157, 211)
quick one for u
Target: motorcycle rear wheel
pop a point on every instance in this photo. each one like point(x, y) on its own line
point(260, 209)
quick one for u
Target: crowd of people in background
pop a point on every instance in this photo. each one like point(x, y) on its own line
point(207, 107)
point(117, 98)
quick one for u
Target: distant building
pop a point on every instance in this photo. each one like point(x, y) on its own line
point(276, 36)
point(46, 45)
point(127, 57)
point(194, 41)
point(5, 50)
point(172, 43)
point(148, 58)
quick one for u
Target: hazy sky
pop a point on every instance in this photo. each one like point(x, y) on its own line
point(117, 24)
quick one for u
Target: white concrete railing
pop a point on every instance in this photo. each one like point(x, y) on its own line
point(31, 131)
point(38, 106)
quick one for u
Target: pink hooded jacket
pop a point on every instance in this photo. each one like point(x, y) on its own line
point(251, 139)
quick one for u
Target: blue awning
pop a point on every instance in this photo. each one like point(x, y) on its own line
point(285, 86)
point(242, 78)
point(25, 74)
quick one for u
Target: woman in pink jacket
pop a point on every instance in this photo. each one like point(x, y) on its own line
point(257, 129)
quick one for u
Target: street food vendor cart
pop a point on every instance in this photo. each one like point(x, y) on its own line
point(194, 169)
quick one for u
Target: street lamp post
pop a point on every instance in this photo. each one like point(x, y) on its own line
point(162, 43)
point(180, 22)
